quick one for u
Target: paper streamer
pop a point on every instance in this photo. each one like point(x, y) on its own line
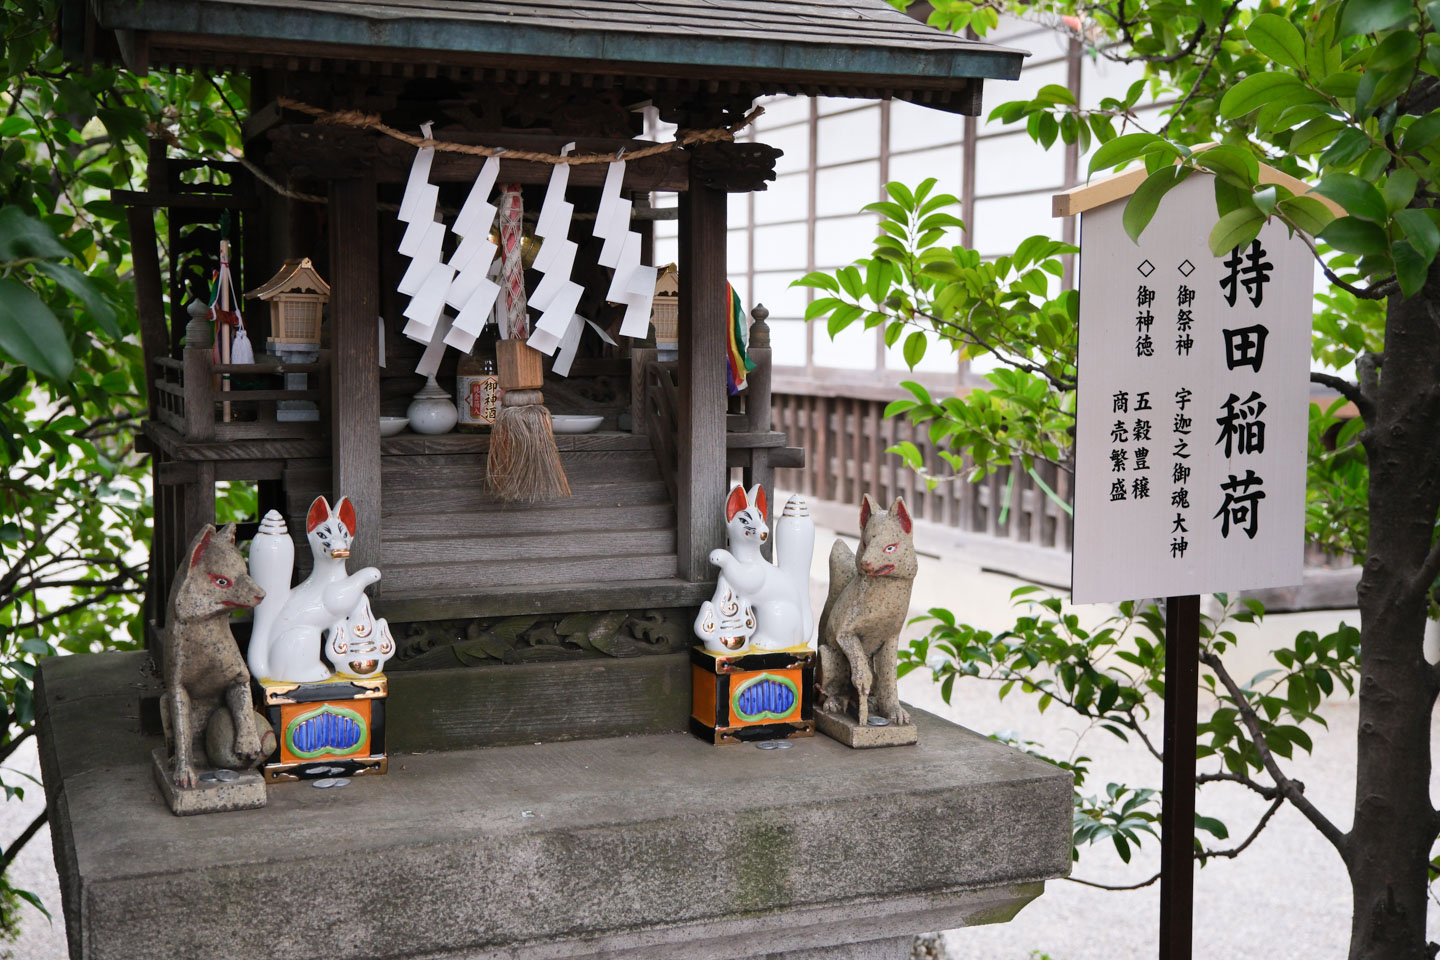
point(633, 283)
point(426, 280)
point(430, 359)
point(557, 296)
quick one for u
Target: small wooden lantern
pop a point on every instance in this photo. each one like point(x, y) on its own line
point(665, 309)
point(297, 298)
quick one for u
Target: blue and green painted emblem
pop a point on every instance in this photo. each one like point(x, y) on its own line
point(328, 730)
point(767, 696)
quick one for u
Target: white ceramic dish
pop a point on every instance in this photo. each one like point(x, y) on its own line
point(574, 423)
point(389, 426)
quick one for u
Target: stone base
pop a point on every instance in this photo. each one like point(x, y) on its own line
point(697, 853)
point(861, 736)
point(210, 796)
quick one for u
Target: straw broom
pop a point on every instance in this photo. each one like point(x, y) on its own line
point(524, 463)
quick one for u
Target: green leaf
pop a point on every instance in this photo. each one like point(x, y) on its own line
point(1315, 135)
point(1353, 235)
point(1410, 268)
point(1421, 231)
point(30, 333)
point(1277, 38)
point(1371, 16)
point(1421, 133)
point(822, 281)
point(1307, 213)
point(1358, 197)
point(914, 348)
point(844, 315)
point(1120, 150)
point(1235, 228)
point(1265, 199)
point(1054, 93)
point(1143, 202)
point(1232, 162)
point(901, 195)
point(1255, 91)
point(84, 290)
point(1399, 189)
point(23, 236)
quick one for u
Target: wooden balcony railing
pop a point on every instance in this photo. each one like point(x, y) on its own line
point(191, 402)
point(845, 440)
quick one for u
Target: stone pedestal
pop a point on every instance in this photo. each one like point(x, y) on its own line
point(624, 848)
point(245, 792)
point(294, 410)
point(852, 734)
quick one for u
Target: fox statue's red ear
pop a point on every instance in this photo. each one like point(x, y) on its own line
point(346, 509)
point(319, 513)
point(200, 546)
point(897, 509)
point(736, 503)
point(867, 507)
point(757, 500)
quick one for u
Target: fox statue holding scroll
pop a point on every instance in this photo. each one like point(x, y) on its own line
point(759, 604)
point(330, 606)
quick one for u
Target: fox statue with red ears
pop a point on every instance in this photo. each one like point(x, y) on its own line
point(759, 604)
point(330, 606)
point(868, 603)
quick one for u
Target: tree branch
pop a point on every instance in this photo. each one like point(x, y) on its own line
point(1235, 851)
point(1291, 789)
point(9, 748)
point(1376, 291)
point(1350, 391)
point(1204, 68)
point(20, 841)
point(1269, 793)
point(1106, 886)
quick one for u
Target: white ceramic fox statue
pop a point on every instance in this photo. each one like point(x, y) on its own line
point(330, 606)
point(767, 605)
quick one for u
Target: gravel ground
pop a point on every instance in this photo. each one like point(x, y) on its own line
point(1286, 897)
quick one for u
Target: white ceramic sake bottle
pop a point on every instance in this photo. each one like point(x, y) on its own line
point(795, 546)
point(272, 565)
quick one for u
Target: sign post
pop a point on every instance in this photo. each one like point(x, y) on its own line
point(1191, 428)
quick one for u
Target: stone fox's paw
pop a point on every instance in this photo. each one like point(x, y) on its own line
point(184, 776)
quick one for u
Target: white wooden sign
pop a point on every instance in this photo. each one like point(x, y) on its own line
point(1192, 406)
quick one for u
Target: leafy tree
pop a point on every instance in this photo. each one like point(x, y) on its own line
point(1344, 95)
point(74, 491)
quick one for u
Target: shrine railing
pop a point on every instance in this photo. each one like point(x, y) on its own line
point(845, 439)
point(263, 400)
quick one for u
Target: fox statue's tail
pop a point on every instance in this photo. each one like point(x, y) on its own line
point(272, 564)
point(795, 547)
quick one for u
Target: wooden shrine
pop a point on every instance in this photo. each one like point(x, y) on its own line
point(517, 626)
point(632, 543)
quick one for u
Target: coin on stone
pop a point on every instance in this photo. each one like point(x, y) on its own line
point(878, 722)
point(329, 782)
point(768, 745)
point(226, 776)
point(209, 777)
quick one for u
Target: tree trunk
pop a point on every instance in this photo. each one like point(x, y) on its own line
point(1388, 849)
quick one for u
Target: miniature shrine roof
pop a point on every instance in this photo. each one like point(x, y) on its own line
point(293, 275)
point(850, 47)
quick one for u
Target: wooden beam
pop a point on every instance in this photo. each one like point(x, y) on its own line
point(149, 297)
point(355, 362)
point(704, 313)
point(1120, 185)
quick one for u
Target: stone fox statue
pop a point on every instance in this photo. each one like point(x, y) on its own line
point(777, 593)
point(204, 675)
point(866, 607)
